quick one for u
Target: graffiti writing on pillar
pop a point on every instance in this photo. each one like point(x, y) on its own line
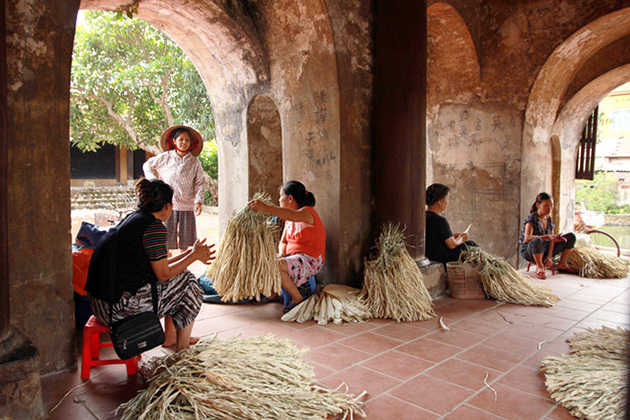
point(299, 111)
point(321, 105)
point(319, 159)
point(496, 122)
point(310, 139)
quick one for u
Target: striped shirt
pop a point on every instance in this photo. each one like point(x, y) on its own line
point(184, 174)
point(154, 241)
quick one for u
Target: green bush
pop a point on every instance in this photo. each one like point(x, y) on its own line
point(601, 194)
point(209, 159)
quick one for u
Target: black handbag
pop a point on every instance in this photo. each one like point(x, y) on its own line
point(137, 333)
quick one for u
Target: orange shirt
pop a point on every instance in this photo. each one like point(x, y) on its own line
point(80, 266)
point(304, 238)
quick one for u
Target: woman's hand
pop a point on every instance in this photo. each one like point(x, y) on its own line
point(202, 252)
point(461, 237)
point(197, 209)
point(259, 205)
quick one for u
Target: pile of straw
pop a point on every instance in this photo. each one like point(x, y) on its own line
point(246, 265)
point(392, 283)
point(591, 382)
point(335, 303)
point(594, 264)
point(239, 378)
point(505, 284)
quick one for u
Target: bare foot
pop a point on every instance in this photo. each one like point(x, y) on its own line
point(192, 341)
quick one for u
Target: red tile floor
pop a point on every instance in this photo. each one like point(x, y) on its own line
point(484, 367)
point(413, 370)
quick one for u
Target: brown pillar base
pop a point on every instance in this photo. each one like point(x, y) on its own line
point(434, 277)
point(20, 386)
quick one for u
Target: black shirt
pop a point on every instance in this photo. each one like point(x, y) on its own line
point(437, 231)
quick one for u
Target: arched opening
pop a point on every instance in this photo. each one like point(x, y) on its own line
point(545, 114)
point(264, 140)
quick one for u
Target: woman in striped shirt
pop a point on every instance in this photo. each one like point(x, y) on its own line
point(142, 257)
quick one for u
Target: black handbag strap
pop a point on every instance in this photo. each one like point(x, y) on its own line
point(112, 276)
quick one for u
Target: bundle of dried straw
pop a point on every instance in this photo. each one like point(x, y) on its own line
point(505, 284)
point(591, 382)
point(239, 378)
point(594, 264)
point(246, 265)
point(392, 283)
point(335, 303)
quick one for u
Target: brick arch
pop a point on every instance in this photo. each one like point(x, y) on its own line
point(567, 129)
point(549, 87)
point(452, 62)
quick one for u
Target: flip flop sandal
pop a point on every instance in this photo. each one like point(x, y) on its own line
point(541, 275)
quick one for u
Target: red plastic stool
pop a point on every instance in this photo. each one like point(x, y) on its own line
point(553, 269)
point(91, 346)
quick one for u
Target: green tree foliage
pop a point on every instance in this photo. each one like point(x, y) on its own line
point(129, 83)
point(601, 194)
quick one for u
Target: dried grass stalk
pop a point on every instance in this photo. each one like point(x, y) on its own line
point(595, 264)
point(246, 265)
point(591, 382)
point(505, 284)
point(239, 378)
point(335, 303)
point(392, 283)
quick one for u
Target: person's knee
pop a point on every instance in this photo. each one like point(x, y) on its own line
point(536, 246)
point(571, 238)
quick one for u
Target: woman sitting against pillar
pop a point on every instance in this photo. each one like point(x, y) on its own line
point(441, 243)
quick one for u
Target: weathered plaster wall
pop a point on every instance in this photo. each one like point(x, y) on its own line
point(39, 47)
point(496, 60)
point(264, 135)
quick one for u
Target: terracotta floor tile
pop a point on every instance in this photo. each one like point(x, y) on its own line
point(466, 412)
point(397, 364)
point(560, 413)
point(432, 394)
point(526, 379)
point(387, 407)
point(315, 337)
point(551, 321)
point(536, 332)
point(405, 331)
point(352, 329)
point(359, 379)
point(611, 316)
point(456, 338)
point(72, 408)
point(453, 312)
point(371, 343)
point(587, 296)
point(598, 323)
point(578, 304)
point(337, 357)
point(557, 311)
point(465, 374)
point(478, 326)
point(321, 371)
point(498, 317)
point(491, 357)
point(429, 350)
point(477, 305)
point(444, 300)
point(512, 403)
point(622, 308)
point(513, 343)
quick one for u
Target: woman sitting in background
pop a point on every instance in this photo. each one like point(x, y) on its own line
point(539, 244)
point(441, 243)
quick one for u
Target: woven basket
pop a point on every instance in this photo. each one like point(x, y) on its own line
point(464, 281)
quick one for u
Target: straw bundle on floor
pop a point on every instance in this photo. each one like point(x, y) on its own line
point(392, 283)
point(594, 264)
point(246, 265)
point(505, 284)
point(335, 303)
point(591, 382)
point(258, 378)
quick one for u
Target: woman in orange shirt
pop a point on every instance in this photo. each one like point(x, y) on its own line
point(302, 248)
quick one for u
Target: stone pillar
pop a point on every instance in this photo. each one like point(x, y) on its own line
point(20, 387)
point(400, 118)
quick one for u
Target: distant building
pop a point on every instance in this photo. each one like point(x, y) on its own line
point(110, 165)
